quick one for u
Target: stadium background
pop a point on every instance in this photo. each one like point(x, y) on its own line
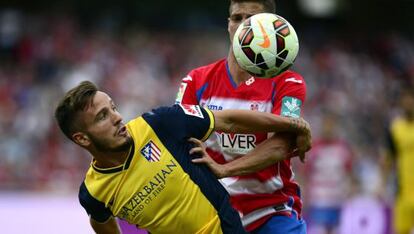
point(355, 56)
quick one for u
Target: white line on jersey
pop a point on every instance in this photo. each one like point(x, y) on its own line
point(189, 78)
point(293, 79)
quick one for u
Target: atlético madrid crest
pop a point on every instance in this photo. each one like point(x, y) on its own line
point(151, 152)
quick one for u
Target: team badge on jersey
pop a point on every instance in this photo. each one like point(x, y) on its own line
point(151, 152)
point(291, 107)
point(192, 110)
point(254, 106)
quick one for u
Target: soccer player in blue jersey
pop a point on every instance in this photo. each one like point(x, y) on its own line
point(142, 171)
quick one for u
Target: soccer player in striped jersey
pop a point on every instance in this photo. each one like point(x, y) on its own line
point(258, 173)
point(142, 172)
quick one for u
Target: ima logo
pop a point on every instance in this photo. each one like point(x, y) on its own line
point(214, 107)
point(151, 152)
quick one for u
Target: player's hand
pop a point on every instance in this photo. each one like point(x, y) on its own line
point(200, 150)
point(304, 144)
point(303, 138)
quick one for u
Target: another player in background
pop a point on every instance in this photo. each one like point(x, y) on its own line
point(327, 177)
point(142, 171)
point(260, 181)
point(402, 149)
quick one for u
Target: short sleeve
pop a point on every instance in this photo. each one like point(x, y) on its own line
point(95, 209)
point(291, 95)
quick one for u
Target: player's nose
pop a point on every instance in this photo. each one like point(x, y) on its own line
point(117, 117)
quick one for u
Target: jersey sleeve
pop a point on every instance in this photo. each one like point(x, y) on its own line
point(290, 96)
point(187, 90)
point(95, 209)
point(182, 121)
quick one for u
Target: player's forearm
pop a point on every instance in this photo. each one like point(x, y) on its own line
point(269, 152)
point(243, 121)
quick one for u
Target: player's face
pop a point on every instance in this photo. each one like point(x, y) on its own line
point(240, 12)
point(104, 128)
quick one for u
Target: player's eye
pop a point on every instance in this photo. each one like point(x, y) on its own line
point(236, 18)
point(102, 116)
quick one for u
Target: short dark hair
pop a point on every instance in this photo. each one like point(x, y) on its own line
point(268, 5)
point(75, 100)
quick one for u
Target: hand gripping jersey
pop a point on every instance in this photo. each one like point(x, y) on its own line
point(272, 190)
point(158, 188)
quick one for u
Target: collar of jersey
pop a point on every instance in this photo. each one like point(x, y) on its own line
point(232, 82)
point(117, 168)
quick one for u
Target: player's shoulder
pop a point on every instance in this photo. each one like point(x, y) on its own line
point(165, 112)
point(290, 77)
point(290, 83)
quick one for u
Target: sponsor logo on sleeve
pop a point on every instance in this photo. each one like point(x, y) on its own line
point(291, 107)
point(180, 94)
point(192, 110)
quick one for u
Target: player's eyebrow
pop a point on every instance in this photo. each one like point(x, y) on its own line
point(104, 110)
point(101, 112)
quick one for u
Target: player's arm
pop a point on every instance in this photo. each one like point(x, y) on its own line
point(267, 153)
point(108, 227)
point(100, 217)
point(245, 121)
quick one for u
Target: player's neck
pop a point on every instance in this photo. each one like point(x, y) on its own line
point(108, 160)
point(239, 75)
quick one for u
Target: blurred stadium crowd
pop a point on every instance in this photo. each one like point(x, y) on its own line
point(356, 79)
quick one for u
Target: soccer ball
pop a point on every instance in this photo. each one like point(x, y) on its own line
point(265, 45)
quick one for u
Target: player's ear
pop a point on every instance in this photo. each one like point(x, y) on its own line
point(81, 139)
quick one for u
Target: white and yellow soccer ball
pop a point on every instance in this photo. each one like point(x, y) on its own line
point(265, 45)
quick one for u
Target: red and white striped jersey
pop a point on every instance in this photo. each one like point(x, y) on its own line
point(273, 190)
point(327, 172)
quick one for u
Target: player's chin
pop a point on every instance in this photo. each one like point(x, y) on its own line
point(123, 144)
point(125, 139)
